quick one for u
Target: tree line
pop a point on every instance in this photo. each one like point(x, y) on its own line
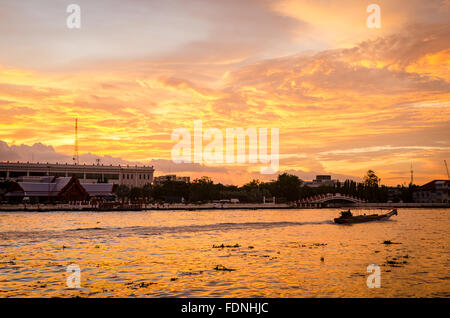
point(286, 188)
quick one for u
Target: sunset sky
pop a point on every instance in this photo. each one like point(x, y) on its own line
point(345, 98)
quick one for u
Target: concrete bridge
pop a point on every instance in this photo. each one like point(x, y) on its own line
point(322, 198)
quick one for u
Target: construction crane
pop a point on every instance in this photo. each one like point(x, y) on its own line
point(446, 168)
point(75, 158)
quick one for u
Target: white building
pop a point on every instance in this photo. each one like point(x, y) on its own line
point(436, 191)
point(28, 172)
point(321, 180)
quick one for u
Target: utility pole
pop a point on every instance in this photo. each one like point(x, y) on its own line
point(412, 175)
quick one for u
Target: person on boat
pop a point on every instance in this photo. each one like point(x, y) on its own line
point(346, 214)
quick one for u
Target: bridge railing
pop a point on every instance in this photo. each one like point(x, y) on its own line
point(319, 198)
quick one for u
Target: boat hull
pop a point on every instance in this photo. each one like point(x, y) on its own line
point(364, 218)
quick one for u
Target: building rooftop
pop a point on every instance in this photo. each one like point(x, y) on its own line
point(56, 185)
point(56, 164)
point(431, 186)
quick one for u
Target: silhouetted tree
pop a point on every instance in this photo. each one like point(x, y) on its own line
point(123, 192)
point(135, 193)
point(203, 189)
point(286, 187)
point(371, 179)
point(289, 186)
point(147, 192)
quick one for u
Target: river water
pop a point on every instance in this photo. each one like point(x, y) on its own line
point(265, 253)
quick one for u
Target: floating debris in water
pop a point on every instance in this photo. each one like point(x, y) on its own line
point(9, 263)
point(144, 284)
point(394, 262)
point(226, 246)
point(251, 247)
point(132, 285)
point(322, 259)
point(191, 273)
point(173, 279)
point(310, 245)
point(223, 268)
point(390, 242)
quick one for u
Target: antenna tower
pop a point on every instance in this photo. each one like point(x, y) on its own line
point(75, 150)
point(412, 175)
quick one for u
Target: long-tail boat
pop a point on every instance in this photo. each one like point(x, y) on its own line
point(348, 217)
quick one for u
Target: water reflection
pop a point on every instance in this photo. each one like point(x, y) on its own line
point(267, 253)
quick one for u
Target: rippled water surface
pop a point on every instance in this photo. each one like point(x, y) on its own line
point(266, 253)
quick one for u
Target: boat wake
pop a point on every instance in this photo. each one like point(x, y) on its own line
point(92, 232)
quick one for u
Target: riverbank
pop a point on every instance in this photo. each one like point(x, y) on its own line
point(139, 207)
point(208, 206)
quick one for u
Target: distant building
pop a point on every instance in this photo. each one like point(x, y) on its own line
point(58, 189)
point(233, 200)
point(321, 180)
point(32, 172)
point(170, 177)
point(436, 191)
point(394, 194)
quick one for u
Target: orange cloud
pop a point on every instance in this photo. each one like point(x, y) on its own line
point(377, 103)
